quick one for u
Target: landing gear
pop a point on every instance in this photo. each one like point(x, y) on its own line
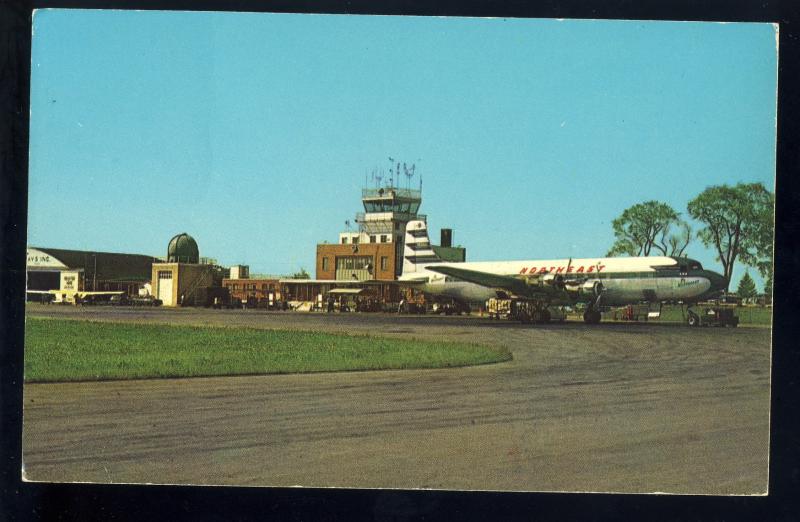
point(693, 319)
point(592, 313)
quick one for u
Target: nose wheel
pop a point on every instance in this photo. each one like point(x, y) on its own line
point(591, 316)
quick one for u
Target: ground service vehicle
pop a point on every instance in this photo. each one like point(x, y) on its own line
point(639, 312)
point(142, 300)
point(714, 315)
point(523, 310)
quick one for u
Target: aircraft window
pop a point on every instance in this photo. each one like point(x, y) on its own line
point(696, 266)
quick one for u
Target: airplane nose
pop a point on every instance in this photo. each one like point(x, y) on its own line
point(718, 283)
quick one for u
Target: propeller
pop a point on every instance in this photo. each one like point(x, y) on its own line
point(559, 281)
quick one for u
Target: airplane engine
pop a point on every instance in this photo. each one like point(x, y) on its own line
point(592, 288)
point(554, 280)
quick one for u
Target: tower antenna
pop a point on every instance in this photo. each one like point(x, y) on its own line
point(409, 174)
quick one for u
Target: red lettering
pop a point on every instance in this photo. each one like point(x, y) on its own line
point(560, 269)
point(523, 270)
point(579, 270)
point(600, 267)
point(552, 269)
point(590, 269)
point(570, 268)
point(543, 270)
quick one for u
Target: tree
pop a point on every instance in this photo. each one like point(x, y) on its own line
point(747, 288)
point(677, 242)
point(768, 285)
point(647, 226)
point(738, 224)
point(302, 274)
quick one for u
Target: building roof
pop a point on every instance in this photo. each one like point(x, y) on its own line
point(340, 282)
point(347, 291)
point(109, 266)
point(183, 249)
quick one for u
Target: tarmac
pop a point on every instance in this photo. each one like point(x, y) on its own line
point(633, 408)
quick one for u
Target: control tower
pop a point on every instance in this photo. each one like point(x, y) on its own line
point(387, 210)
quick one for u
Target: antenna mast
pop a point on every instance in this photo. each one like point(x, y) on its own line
point(409, 174)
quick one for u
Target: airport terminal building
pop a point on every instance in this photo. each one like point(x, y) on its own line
point(374, 254)
point(363, 263)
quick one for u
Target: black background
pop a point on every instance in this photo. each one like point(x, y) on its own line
point(27, 501)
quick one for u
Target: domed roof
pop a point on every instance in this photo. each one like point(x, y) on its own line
point(183, 249)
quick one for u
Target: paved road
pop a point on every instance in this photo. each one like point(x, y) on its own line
point(623, 408)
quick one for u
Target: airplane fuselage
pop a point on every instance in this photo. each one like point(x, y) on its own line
point(624, 280)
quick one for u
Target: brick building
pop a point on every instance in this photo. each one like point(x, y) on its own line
point(359, 262)
point(258, 289)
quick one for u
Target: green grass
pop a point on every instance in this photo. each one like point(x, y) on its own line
point(72, 350)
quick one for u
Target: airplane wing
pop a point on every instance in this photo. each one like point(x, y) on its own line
point(511, 284)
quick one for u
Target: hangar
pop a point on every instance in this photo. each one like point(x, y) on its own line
point(61, 269)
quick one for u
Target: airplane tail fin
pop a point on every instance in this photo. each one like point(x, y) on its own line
point(417, 251)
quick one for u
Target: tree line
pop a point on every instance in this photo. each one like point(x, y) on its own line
point(737, 222)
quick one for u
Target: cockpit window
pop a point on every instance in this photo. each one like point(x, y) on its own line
point(695, 266)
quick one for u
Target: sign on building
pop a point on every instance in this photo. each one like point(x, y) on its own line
point(39, 259)
point(71, 281)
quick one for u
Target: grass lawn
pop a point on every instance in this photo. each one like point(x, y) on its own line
point(72, 350)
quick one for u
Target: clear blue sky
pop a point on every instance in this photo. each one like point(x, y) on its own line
point(253, 132)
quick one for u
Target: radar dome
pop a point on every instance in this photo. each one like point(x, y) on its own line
point(183, 249)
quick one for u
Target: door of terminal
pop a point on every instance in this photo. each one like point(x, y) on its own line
point(165, 287)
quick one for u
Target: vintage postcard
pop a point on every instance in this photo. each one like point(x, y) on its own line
point(400, 252)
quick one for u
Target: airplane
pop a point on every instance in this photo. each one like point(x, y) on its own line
point(74, 296)
point(606, 281)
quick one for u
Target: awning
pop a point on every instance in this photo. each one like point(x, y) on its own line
point(347, 291)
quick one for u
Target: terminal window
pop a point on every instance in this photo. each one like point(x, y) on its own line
point(384, 262)
point(325, 263)
point(352, 262)
point(384, 238)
